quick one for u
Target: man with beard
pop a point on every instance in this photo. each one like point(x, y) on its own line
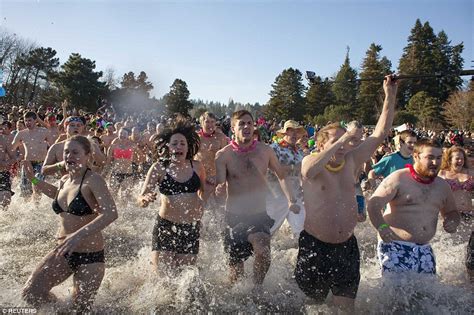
point(328, 257)
point(36, 142)
point(415, 197)
point(54, 162)
point(243, 165)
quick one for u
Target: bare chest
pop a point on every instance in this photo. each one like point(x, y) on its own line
point(209, 146)
point(247, 165)
point(420, 194)
point(34, 138)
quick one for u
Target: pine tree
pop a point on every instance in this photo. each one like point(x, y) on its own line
point(345, 86)
point(177, 100)
point(318, 96)
point(43, 64)
point(425, 108)
point(370, 99)
point(427, 53)
point(286, 97)
point(79, 83)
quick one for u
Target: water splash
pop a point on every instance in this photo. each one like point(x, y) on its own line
point(130, 286)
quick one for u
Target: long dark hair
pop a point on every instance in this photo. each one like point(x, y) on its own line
point(179, 125)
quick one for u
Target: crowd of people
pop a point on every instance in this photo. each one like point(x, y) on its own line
point(322, 180)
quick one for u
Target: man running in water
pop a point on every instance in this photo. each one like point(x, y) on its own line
point(243, 166)
point(36, 142)
point(416, 196)
point(211, 142)
point(328, 257)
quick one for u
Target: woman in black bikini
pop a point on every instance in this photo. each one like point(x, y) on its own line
point(85, 207)
point(179, 179)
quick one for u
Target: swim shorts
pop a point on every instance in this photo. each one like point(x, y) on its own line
point(321, 267)
point(238, 228)
point(401, 256)
point(180, 238)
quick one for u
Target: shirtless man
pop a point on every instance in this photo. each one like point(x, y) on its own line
point(8, 157)
point(211, 142)
point(52, 126)
point(243, 165)
point(109, 136)
point(139, 163)
point(36, 142)
point(415, 197)
point(328, 257)
point(54, 162)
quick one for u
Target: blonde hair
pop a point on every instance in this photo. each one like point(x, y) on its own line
point(448, 154)
point(323, 134)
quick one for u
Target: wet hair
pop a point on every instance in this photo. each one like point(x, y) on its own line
point(426, 142)
point(83, 142)
point(239, 114)
point(161, 141)
point(30, 115)
point(447, 155)
point(323, 134)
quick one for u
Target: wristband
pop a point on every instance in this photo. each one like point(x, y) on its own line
point(59, 166)
point(382, 227)
point(35, 181)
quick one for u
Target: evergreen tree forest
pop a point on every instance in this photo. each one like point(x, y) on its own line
point(35, 74)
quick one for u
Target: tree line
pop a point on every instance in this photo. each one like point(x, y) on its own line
point(436, 102)
point(34, 74)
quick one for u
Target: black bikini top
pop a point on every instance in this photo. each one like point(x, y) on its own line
point(170, 186)
point(78, 205)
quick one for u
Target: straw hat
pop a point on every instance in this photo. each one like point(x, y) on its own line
point(293, 125)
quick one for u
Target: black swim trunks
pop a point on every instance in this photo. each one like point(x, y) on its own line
point(75, 260)
point(5, 182)
point(237, 231)
point(321, 267)
point(470, 253)
point(180, 238)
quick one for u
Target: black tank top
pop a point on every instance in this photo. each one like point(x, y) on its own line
point(169, 186)
point(78, 205)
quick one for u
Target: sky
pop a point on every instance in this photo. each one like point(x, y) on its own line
point(231, 49)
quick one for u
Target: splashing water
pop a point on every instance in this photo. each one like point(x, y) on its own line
point(130, 286)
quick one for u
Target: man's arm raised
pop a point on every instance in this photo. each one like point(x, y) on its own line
point(363, 152)
point(312, 165)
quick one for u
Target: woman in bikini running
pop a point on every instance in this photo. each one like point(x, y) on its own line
point(85, 207)
point(180, 181)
